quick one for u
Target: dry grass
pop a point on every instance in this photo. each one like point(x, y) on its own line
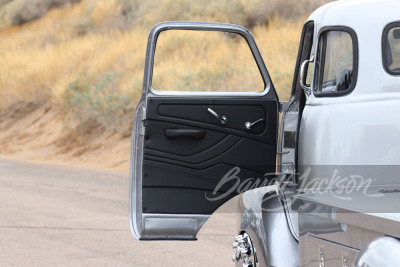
point(86, 61)
point(43, 57)
point(207, 61)
point(204, 61)
point(278, 44)
point(48, 54)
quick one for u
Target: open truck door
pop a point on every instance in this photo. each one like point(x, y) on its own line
point(193, 150)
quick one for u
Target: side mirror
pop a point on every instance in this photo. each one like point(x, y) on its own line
point(304, 71)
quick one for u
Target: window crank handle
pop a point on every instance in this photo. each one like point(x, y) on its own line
point(248, 124)
point(222, 119)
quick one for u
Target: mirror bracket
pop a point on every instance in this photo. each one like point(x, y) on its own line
point(303, 76)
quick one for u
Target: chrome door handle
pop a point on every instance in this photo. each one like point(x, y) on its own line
point(222, 119)
point(248, 124)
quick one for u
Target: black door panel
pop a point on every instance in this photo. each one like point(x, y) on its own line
point(238, 111)
point(244, 153)
point(178, 201)
point(176, 168)
point(237, 115)
point(158, 142)
point(184, 133)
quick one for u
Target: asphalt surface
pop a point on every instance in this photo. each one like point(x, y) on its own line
point(55, 215)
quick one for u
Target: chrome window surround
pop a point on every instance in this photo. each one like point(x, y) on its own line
point(385, 48)
point(223, 27)
point(318, 75)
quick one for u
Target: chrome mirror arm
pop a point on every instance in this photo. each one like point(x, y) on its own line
point(303, 68)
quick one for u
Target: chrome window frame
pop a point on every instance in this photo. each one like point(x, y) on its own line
point(243, 32)
point(318, 74)
point(384, 47)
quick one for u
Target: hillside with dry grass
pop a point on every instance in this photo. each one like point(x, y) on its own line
point(71, 71)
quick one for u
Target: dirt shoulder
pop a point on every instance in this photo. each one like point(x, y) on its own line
point(39, 134)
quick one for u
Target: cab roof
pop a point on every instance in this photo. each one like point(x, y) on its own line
point(357, 14)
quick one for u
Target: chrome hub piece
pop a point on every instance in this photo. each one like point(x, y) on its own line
point(245, 251)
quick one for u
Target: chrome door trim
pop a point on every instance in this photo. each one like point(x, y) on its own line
point(172, 226)
point(135, 170)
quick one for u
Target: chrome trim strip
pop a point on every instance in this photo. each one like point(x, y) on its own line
point(135, 171)
point(171, 226)
point(210, 94)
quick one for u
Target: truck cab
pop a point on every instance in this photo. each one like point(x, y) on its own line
point(318, 175)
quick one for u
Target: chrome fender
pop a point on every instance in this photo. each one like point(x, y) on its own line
point(262, 216)
point(383, 251)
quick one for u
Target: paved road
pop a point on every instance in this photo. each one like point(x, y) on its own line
point(54, 215)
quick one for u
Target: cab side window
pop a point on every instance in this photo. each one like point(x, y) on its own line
point(391, 48)
point(336, 63)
